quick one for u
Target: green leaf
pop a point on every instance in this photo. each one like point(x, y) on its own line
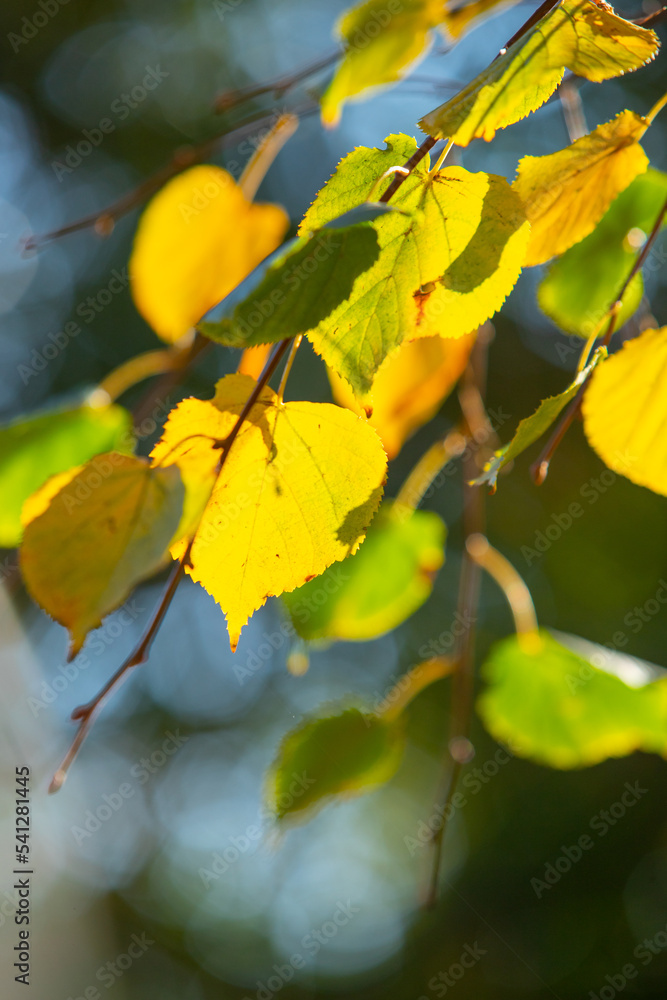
point(34, 448)
point(581, 286)
point(448, 258)
point(300, 289)
point(533, 427)
point(556, 708)
point(106, 530)
point(373, 591)
point(582, 35)
point(344, 754)
point(382, 39)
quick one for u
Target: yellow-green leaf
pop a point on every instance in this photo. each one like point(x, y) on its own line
point(377, 588)
point(581, 286)
point(556, 708)
point(566, 193)
point(382, 40)
point(533, 427)
point(296, 493)
point(409, 388)
point(462, 17)
point(345, 754)
point(34, 448)
point(196, 241)
point(584, 36)
point(106, 530)
point(625, 410)
point(448, 258)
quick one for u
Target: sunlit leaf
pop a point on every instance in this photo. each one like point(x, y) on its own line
point(300, 289)
point(34, 448)
point(373, 591)
point(566, 193)
point(584, 36)
point(582, 285)
point(382, 40)
point(296, 494)
point(102, 533)
point(533, 427)
point(556, 708)
point(625, 411)
point(409, 388)
point(197, 240)
point(448, 258)
point(348, 753)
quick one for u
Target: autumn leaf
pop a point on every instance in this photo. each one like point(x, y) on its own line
point(107, 529)
point(625, 411)
point(409, 388)
point(296, 493)
point(459, 18)
point(382, 40)
point(566, 193)
point(584, 36)
point(196, 241)
point(533, 427)
point(343, 754)
point(558, 709)
point(389, 577)
point(448, 258)
point(300, 289)
point(34, 448)
point(581, 286)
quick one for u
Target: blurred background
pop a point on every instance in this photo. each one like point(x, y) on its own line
point(166, 890)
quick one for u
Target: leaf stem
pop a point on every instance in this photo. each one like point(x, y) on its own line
point(419, 154)
point(656, 109)
point(441, 159)
point(143, 366)
point(257, 166)
point(540, 468)
point(412, 683)
point(86, 714)
point(296, 343)
point(515, 590)
point(427, 468)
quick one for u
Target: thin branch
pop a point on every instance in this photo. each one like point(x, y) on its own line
point(86, 714)
point(536, 16)
point(277, 87)
point(540, 468)
point(103, 222)
point(650, 19)
point(419, 154)
point(460, 750)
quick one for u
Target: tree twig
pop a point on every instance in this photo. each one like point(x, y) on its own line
point(85, 714)
point(277, 87)
point(540, 468)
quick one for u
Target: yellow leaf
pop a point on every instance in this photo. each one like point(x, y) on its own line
point(37, 503)
point(295, 494)
point(583, 35)
point(625, 411)
point(383, 39)
point(409, 388)
point(105, 530)
point(196, 241)
point(567, 193)
point(461, 17)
